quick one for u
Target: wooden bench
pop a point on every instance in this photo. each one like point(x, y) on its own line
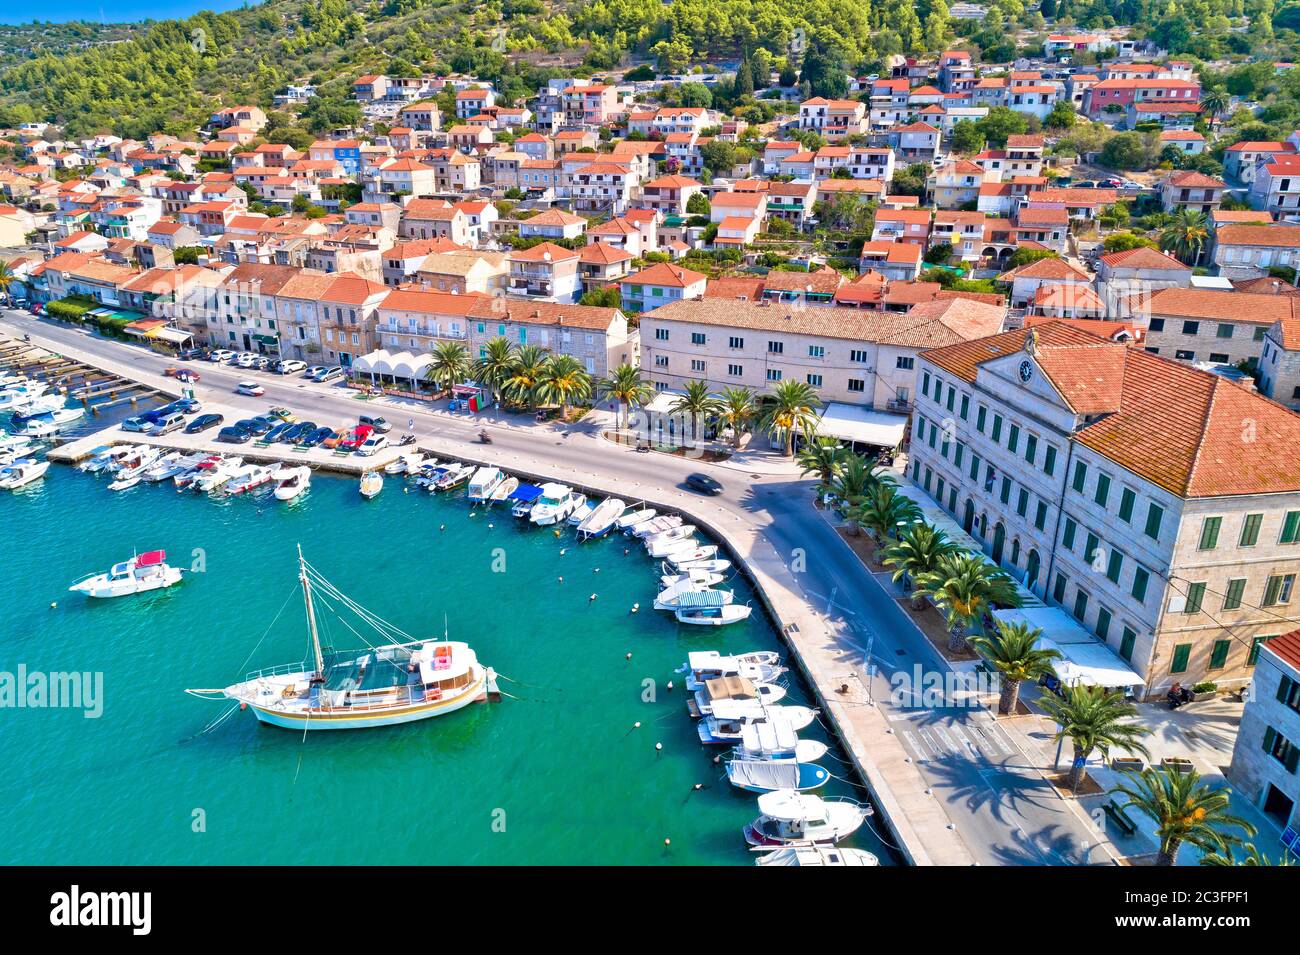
point(1119, 817)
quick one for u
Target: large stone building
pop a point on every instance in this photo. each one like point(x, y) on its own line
point(1157, 504)
point(1266, 758)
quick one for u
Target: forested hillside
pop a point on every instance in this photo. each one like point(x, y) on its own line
point(168, 75)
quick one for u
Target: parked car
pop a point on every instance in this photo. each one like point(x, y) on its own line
point(143, 422)
point(330, 374)
point(184, 406)
point(234, 435)
point(313, 370)
point(192, 354)
point(372, 445)
point(376, 422)
point(251, 388)
point(221, 354)
point(300, 431)
point(317, 437)
point(203, 422)
point(703, 483)
point(169, 423)
point(291, 365)
point(353, 439)
point(246, 360)
point(284, 414)
point(277, 433)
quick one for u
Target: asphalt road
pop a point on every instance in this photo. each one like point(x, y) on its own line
point(1005, 812)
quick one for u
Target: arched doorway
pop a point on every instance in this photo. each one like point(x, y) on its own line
point(1031, 569)
point(968, 516)
point(999, 541)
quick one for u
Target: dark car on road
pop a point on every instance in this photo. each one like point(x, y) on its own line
point(317, 436)
point(704, 484)
point(203, 422)
point(234, 435)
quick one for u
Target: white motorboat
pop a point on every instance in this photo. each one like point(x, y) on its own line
point(602, 517)
point(817, 856)
point(787, 816)
point(729, 689)
point(504, 490)
point(372, 482)
point(8, 457)
point(10, 441)
point(670, 550)
point(34, 407)
point(162, 468)
point(633, 518)
point(673, 596)
point(484, 482)
point(716, 730)
point(21, 473)
point(102, 457)
point(691, 556)
point(218, 474)
point(408, 462)
point(555, 504)
point(147, 571)
point(19, 395)
point(581, 512)
point(195, 471)
point(760, 666)
point(137, 462)
point(777, 740)
point(711, 616)
point(717, 565)
point(292, 483)
point(676, 539)
point(453, 475)
point(706, 577)
point(765, 776)
point(57, 418)
point(656, 525)
point(249, 476)
point(427, 474)
point(125, 484)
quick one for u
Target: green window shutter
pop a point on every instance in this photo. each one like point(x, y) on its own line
point(1195, 597)
point(1253, 656)
point(1080, 476)
point(1031, 448)
point(1005, 494)
point(965, 407)
point(979, 419)
point(1103, 623)
point(1292, 757)
point(1022, 502)
point(1040, 516)
point(1126, 499)
point(1058, 588)
point(1155, 514)
point(1126, 644)
point(1090, 548)
point(1209, 533)
point(1236, 588)
point(1113, 566)
point(1182, 653)
point(1250, 530)
point(1103, 489)
point(1270, 735)
point(1140, 578)
point(1080, 605)
point(1013, 438)
point(997, 427)
point(1219, 655)
point(974, 467)
point(1067, 538)
point(1049, 460)
point(958, 453)
point(1291, 527)
point(1271, 590)
point(1284, 689)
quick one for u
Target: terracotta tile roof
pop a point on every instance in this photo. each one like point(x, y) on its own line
point(1050, 268)
point(545, 313)
point(1287, 647)
point(1196, 180)
point(601, 253)
point(1143, 257)
point(735, 287)
point(1256, 216)
point(351, 289)
point(825, 281)
point(1216, 305)
point(664, 274)
point(430, 302)
point(543, 252)
point(1272, 236)
point(555, 217)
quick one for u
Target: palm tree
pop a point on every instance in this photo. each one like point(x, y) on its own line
point(915, 554)
point(1014, 655)
point(791, 407)
point(1184, 809)
point(450, 364)
point(883, 508)
point(626, 386)
point(1214, 101)
point(697, 403)
point(521, 384)
point(7, 279)
point(1253, 857)
point(964, 586)
point(563, 382)
point(736, 410)
point(850, 483)
point(1094, 719)
point(495, 365)
point(1185, 236)
point(823, 457)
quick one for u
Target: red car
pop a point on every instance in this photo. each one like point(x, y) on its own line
point(351, 440)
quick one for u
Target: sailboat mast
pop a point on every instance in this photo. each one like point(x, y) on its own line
point(311, 613)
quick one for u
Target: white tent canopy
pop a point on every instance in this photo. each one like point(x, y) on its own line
point(1085, 659)
point(402, 364)
point(864, 425)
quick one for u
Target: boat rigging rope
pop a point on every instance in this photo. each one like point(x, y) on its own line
point(213, 723)
point(268, 628)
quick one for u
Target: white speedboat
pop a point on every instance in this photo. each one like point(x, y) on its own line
point(102, 457)
point(372, 482)
point(715, 566)
point(10, 456)
point(21, 473)
point(777, 740)
point(34, 407)
point(817, 856)
point(582, 511)
point(711, 616)
point(10, 441)
point(292, 483)
point(217, 474)
point(684, 557)
point(125, 483)
point(705, 577)
point(164, 467)
point(147, 571)
point(554, 506)
point(632, 518)
point(18, 395)
point(57, 418)
point(452, 476)
point(195, 471)
point(761, 666)
point(504, 490)
point(655, 525)
point(136, 463)
point(788, 817)
point(688, 592)
point(484, 481)
point(730, 689)
point(382, 685)
point(408, 462)
point(251, 476)
point(427, 474)
point(602, 517)
point(719, 730)
point(678, 539)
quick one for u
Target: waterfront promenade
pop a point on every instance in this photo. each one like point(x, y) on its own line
point(982, 803)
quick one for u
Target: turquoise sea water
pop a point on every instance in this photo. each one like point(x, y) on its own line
point(560, 769)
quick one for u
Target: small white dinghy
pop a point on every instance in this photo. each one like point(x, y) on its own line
point(711, 616)
point(777, 740)
point(633, 518)
point(293, 483)
point(21, 473)
point(817, 856)
point(717, 565)
point(689, 556)
point(794, 817)
point(147, 571)
point(705, 577)
point(372, 482)
point(126, 483)
point(504, 490)
point(656, 525)
point(581, 512)
point(673, 541)
point(408, 462)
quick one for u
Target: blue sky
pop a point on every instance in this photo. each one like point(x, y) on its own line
point(111, 11)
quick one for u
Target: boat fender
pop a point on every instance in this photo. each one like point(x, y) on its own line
point(591, 598)
point(669, 686)
point(243, 706)
point(659, 747)
point(636, 607)
point(54, 605)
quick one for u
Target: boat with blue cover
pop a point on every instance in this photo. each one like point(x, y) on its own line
point(523, 499)
point(767, 775)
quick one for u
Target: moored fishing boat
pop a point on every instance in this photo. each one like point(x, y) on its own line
point(102, 457)
point(720, 730)
point(388, 682)
point(760, 666)
point(143, 572)
point(715, 565)
point(706, 577)
point(408, 462)
point(18, 395)
point(683, 557)
point(655, 525)
point(483, 482)
point(665, 547)
point(581, 512)
point(727, 689)
point(455, 475)
point(218, 474)
point(817, 856)
point(788, 817)
point(601, 518)
point(125, 483)
point(187, 477)
point(136, 463)
point(632, 518)
point(292, 483)
point(21, 473)
point(523, 499)
point(504, 490)
point(372, 482)
point(675, 595)
point(556, 503)
point(777, 740)
point(250, 476)
point(711, 615)
point(765, 776)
